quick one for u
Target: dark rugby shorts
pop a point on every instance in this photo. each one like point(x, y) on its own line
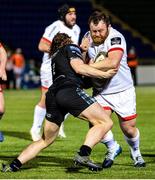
point(71, 99)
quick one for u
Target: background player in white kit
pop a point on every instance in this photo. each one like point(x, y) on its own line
point(66, 24)
point(118, 94)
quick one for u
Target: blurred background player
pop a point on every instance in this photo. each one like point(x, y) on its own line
point(18, 60)
point(133, 63)
point(10, 83)
point(66, 24)
point(3, 77)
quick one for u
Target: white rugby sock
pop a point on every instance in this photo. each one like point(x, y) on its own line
point(39, 115)
point(134, 143)
point(61, 130)
point(108, 140)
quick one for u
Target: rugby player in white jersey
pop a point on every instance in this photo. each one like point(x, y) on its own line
point(118, 93)
point(65, 24)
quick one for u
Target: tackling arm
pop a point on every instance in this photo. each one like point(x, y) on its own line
point(110, 62)
point(86, 70)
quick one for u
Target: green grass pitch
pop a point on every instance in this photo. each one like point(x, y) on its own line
point(55, 161)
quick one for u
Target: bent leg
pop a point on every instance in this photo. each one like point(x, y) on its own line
point(50, 133)
point(101, 124)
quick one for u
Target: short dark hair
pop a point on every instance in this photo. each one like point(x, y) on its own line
point(97, 16)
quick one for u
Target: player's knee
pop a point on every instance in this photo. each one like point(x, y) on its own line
point(129, 130)
point(42, 104)
point(47, 142)
point(108, 123)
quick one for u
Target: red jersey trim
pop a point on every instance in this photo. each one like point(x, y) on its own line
point(115, 49)
point(107, 108)
point(128, 118)
point(46, 40)
point(42, 87)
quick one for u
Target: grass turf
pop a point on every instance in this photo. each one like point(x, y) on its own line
point(55, 162)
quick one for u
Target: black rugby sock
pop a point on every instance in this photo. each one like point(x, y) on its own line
point(15, 165)
point(85, 150)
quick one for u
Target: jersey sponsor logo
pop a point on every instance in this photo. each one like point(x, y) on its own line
point(48, 115)
point(115, 40)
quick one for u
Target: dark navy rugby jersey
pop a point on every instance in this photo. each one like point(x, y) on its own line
point(61, 68)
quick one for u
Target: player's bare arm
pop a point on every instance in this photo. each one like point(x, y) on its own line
point(86, 70)
point(110, 62)
point(44, 45)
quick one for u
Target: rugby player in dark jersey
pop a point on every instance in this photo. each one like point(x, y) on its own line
point(66, 95)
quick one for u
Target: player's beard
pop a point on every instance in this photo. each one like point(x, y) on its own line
point(98, 40)
point(70, 24)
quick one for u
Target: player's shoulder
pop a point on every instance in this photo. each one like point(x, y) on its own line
point(115, 33)
point(115, 37)
point(55, 23)
point(77, 27)
point(73, 47)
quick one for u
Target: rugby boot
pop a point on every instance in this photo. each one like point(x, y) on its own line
point(6, 168)
point(111, 155)
point(85, 161)
point(138, 159)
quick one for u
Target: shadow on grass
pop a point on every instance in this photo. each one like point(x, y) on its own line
point(23, 135)
point(148, 155)
point(20, 135)
point(46, 161)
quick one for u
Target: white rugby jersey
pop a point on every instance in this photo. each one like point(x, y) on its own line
point(51, 31)
point(123, 79)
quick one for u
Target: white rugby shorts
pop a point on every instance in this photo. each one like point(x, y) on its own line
point(122, 103)
point(46, 79)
